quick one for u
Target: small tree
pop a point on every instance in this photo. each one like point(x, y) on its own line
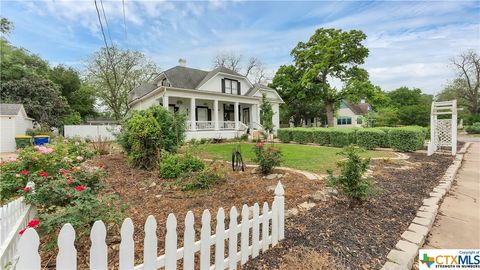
point(267, 114)
point(351, 181)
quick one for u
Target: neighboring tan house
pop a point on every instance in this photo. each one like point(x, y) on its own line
point(219, 104)
point(13, 122)
point(351, 114)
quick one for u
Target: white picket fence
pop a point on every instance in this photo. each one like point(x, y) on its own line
point(14, 216)
point(270, 223)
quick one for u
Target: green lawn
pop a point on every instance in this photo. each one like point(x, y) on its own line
point(316, 159)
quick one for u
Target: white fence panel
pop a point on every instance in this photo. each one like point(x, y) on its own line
point(29, 257)
point(91, 132)
point(14, 216)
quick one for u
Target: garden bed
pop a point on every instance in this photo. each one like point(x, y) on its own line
point(359, 238)
point(148, 194)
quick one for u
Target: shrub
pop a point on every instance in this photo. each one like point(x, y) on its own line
point(146, 133)
point(302, 135)
point(341, 137)
point(174, 165)
point(386, 142)
point(101, 145)
point(266, 157)
point(371, 138)
point(39, 131)
point(203, 140)
point(406, 139)
point(473, 129)
point(244, 137)
point(351, 181)
point(284, 135)
point(204, 179)
point(321, 136)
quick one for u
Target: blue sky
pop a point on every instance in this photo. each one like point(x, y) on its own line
point(410, 42)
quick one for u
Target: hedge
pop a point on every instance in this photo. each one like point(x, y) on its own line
point(284, 135)
point(371, 138)
point(321, 136)
point(302, 135)
point(407, 139)
point(341, 137)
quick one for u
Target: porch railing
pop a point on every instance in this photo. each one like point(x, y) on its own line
point(226, 124)
point(205, 125)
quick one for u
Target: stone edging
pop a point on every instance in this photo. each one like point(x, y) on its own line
point(403, 255)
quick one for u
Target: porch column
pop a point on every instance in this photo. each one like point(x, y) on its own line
point(258, 114)
point(253, 115)
point(193, 112)
point(165, 101)
point(215, 114)
point(235, 111)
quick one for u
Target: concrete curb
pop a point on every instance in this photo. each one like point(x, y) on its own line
point(404, 254)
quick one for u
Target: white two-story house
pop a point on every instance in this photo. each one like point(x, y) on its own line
point(219, 104)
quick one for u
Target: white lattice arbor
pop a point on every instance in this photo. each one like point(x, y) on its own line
point(443, 132)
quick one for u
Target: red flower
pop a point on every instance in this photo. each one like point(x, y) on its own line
point(33, 223)
point(69, 180)
point(259, 144)
point(79, 188)
point(26, 189)
point(43, 174)
point(22, 230)
point(64, 172)
point(24, 172)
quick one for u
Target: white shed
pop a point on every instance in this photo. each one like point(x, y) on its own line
point(13, 122)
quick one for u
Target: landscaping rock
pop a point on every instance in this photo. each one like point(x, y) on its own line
point(408, 247)
point(331, 191)
point(414, 237)
point(391, 266)
point(319, 196)
point(427, 215)
point(152, 184)
point(402, 258)
point(418, 228)
point(423, 221)
point(431, 201)
point(271, 188)
point(306, 206)
point(271, 176)
point(158, 196)
point(292, 212)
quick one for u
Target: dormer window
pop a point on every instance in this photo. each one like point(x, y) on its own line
point(165, 82)
point(230, 86)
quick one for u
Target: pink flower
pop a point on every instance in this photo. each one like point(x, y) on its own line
point(43, 174)
point(44, 150)
point(64, 172)
point(259, 144)
point(26, 189)
point(12, 159)
point(69, 180)
point(24, 172)
point(79, 188)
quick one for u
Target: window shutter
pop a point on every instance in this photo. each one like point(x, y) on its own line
point(238, 88)
point(223, 85)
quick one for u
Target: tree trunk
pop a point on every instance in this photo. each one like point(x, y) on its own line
point(329, 111)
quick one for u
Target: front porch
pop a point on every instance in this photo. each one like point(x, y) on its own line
point(214, 114)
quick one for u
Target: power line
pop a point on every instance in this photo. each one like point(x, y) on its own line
point(106, 23)
point(101, 27)
point(124, 21)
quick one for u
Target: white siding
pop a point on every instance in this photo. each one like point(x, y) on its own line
point(7, 134)
point(347, 112)
point(215, 84)
point(276, 116)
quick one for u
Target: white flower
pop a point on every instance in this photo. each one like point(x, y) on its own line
point(77, 143)
point(79, 158)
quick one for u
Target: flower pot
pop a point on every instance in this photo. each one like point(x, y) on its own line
point(41, 139)
point(23, 141)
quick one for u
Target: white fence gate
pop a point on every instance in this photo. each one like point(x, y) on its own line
point(14, 216)
point(267, 229)
point(92, 132)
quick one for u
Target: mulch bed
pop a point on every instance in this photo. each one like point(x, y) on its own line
point(360, 238)
point(148, 194)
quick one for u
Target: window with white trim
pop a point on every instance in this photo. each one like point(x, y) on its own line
point(344, 120)
point(231, 86)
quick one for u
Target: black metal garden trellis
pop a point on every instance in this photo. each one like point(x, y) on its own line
point(237, 160)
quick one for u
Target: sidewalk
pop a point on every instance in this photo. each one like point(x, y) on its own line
point(458, 223)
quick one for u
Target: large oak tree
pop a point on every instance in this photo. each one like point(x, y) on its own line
point(333, 54)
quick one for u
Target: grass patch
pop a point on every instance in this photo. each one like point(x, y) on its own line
point(311, 158)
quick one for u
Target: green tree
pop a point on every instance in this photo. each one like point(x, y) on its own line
point(300, 102)
point(6, 26)
point(79, 95)
point(332, 54)
point(113, 72)
point(17, 63)
point(41, 98)
point(266, 114)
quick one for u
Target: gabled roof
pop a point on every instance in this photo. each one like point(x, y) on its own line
point(212, 73)
point(184, 77)
point(10, 109)
point(358, 108)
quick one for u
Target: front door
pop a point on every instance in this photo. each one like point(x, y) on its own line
point(246, 116)
point(203, 114)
